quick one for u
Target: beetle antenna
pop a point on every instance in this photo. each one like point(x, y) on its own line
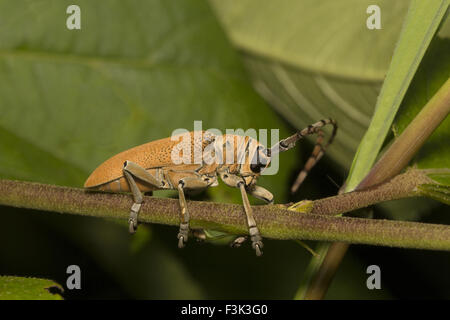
point(318, 150)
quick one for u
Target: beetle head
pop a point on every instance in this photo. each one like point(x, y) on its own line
point(260, 159)
point(257, 159)
point(251, 158)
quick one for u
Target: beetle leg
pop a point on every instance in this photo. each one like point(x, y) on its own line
point(255, 236)
point(136, 207)
point(199, 234)
point(132, 170)
point(261, 193)
point(236, 243)
point(184, 224)
point(142, 174)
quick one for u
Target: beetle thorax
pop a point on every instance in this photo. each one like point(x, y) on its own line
point(236, 153)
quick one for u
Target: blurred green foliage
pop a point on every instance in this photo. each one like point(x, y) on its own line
point(137, 70)
point(314, 61)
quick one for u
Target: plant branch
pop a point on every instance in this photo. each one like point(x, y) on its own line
point(274, 221)
point(402, 186)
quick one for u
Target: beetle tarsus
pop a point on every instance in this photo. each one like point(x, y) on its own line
point(236, 243)
point(253, 230)
point(132, 221)
point(258, 249)
point(184, 225)
point(256, 238)
point(183, 235)
point(132, 229)
point(181, 242)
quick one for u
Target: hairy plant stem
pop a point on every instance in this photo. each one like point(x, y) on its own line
point(314, 221)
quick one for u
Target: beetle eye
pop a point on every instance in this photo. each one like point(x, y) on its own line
point(258, 161)
point(255, 167)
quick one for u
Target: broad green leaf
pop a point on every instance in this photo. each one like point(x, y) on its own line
point(421, 23)
point(136, 71)
point(312, 61)
point(19, 288)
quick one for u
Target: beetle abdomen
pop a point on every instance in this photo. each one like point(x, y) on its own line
point(150, 155)
point(117, 185)
point(121, 185)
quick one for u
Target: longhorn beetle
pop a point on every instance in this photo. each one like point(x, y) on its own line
point(151, 166)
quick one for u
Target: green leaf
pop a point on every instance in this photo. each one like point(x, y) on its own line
point(437, 192)
point(313, 61)
point(421, 23)
point(136, 71)
point(18, 288)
